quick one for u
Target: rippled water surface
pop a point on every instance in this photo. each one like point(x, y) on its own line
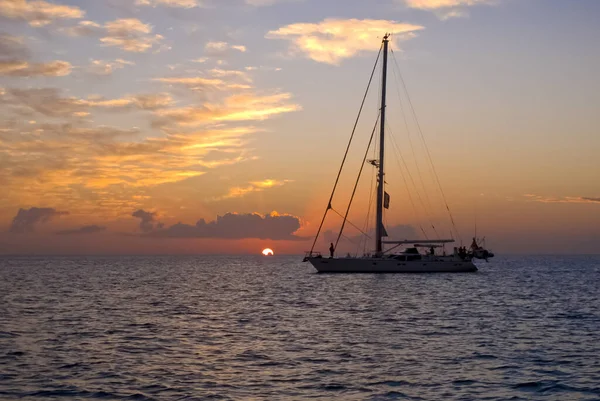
point(186, 328)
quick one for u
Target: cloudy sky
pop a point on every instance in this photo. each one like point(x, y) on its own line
point(217, 126)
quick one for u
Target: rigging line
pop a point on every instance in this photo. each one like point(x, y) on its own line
point(372, 194)
point(349, 239)
point(427, 212)
point(412, 148)
point(407, 188)
point(337, 179)
point(362, 166)
point(370, 207)
point(366, 224)
point(349, 222)
point(422, 137)
point(426, 147)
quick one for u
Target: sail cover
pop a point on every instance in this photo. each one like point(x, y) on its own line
point(386, 200)
point(383, 231)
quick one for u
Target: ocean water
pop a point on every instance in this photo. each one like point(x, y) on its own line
point(239, 328)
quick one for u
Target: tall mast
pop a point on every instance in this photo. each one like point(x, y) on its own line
point(380, 191)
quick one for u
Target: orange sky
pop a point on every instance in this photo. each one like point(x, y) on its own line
point(189, 126)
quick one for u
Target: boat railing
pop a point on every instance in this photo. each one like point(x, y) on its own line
point(311, 254)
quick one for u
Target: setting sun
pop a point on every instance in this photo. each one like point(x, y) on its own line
point(267, 252)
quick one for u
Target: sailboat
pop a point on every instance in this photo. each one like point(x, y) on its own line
point(383, 260)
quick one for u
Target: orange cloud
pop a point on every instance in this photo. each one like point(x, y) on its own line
point(130, 34)
point(436, 4)
point(83, 28)
point(220, 80)
point(49, 102)
point(102, 67)
point(217, 72)
point(21, 68)
point(38, 13)
point(169, 3)
point(565, 199)
point(334, 40)
point(255, 186)
point(194, 83)
point(234, 108)
point(219, 48)
point(447, 8)
point(105, 169)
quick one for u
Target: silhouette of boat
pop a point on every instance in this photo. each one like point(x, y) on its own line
point(382, 260)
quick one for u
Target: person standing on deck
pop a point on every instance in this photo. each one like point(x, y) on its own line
point(331, 250)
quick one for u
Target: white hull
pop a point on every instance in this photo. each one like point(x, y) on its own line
point(390, 265)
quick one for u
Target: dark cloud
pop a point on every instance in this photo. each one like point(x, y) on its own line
point(14, 60)
point(52, 103)
point(47, 101)
point(147, 220)
point(82, 230)
point(12, 47)
point(591, 199)
point(237, 226)
point(26, 219)
point(401, 232)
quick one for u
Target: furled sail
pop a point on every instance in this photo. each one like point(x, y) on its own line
point(383, 231)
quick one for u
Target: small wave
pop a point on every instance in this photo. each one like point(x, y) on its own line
point(102, 394)
point(484, 356)
point(547, 386)
point(71, 365)
point(252, 355)
point(505, 367)
point(279, 334)
point(463, 382)
point(333, 387)
point(270, 363)
point(76, 394)
point(390, 395)
point(528, 386)
point(140, 397)
point(391, 383)
point(314, 360)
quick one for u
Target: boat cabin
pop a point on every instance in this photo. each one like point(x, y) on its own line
point(408, 254)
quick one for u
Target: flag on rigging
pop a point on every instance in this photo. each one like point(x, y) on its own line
point(386, 200)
